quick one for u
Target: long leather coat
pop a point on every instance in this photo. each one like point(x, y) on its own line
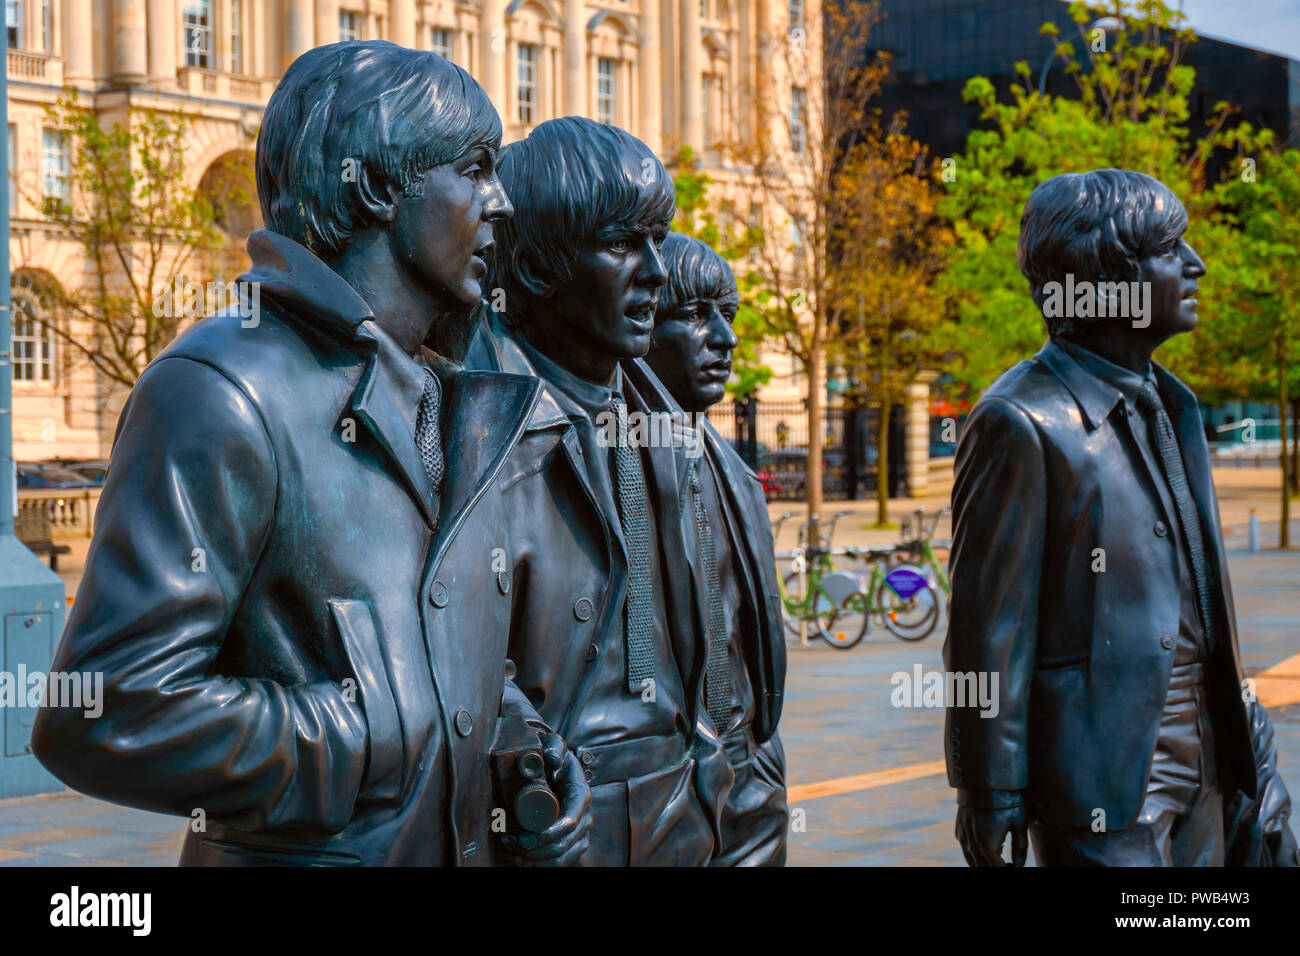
point(288, 645)
point(570, 568)
point(1048, 471)
point(761, 625)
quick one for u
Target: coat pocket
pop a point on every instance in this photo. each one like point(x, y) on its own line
point(356, 624)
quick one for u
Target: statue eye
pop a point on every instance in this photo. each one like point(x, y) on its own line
point(621, 244)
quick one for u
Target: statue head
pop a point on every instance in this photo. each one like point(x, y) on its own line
point(691, 347)
point(1104, 253)
point(579, 266)
point(370, 143)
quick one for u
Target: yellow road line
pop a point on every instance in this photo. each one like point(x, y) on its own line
point(1277, 686)
point(1280, 684)
point(864, 781)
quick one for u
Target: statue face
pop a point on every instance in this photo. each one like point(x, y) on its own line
point(691, 351)
point(607, 310)
point(443, 234)
point(1173, 276)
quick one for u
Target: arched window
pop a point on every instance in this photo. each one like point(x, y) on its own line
point(33, 337)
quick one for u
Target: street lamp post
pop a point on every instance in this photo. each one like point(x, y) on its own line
point(31, 595)
point(1109, 24)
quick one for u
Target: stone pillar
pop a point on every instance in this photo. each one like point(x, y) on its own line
point(575, 58)
point(130, 48)
point(916, 435)
point(327, 22)
point(163, 28)
point(692, 105)
point(494, 66)
point(402, 15)
point(78, 52)
point(650, 107)
point(299, 38)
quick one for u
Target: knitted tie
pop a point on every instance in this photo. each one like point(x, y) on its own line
point(427, 438)
point(717, 680)
point(1172, 461)
point(638, 609)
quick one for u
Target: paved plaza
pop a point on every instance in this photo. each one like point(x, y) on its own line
point(867, 780)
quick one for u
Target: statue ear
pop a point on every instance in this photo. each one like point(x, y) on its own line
point(374, 194)
point(532, 283)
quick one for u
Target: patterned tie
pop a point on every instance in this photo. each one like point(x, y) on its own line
point(427, 437)
point(1172, 461)
point(717, 680)
point(638, 609)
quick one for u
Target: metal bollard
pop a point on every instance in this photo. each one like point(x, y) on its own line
point(1254, 531)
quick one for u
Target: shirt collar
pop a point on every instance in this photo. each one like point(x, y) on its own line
point(593, 398)
point(406, 376)
point(1127, 382)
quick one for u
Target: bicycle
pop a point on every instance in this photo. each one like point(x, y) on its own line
point(921, 551)
point(813, 591)
point(840, 604)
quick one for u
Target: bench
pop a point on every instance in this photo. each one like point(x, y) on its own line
point(34, 528)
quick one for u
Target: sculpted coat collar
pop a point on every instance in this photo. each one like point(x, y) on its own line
point(483, 413)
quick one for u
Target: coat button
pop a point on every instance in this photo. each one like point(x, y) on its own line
point(592, 652)
point(1160, 529)
point(582, 609)
point(503, 582)
point(510, 669)
point(587, 758)
point(464, 723)
point(438, 594)
point(1167, 642)
point(589, 775)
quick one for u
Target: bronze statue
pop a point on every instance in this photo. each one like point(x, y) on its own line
point(609, 638)
point(298, 590)
point(690, 355)
point(1088, 569)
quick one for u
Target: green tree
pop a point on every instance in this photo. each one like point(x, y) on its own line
point(137, 223)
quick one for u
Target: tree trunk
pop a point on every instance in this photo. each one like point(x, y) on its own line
point(1295, 446)
point(1284, 527)
point(813, 485)
point(882, 464)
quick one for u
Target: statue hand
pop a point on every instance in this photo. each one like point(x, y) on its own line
point(565, 840)
point(984, 818)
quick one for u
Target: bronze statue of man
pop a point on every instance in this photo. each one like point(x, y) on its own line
point(609, 638)
point(1089, 573)
point(690, 355)
point(293, 591)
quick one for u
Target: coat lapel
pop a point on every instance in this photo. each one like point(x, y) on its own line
point(484, 415)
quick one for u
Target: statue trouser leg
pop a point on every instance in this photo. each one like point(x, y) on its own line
point(755, 820)
point(1181, 820)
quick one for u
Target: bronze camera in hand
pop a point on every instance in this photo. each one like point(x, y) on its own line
point(519, 770)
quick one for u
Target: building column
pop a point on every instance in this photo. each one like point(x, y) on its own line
point(494, 63)
point(402, 13)
point(130, 47)
point(78, 54)
point(327, 22)
point(576, 76)
point(162, 42)
point(692, 121)
point(299, 36)
point(916, 435)
point(256, 20)
point(650, 95)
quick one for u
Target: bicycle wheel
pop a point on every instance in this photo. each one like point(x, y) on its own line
point(823, 611)
point(908, 604)
point(850, 625)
